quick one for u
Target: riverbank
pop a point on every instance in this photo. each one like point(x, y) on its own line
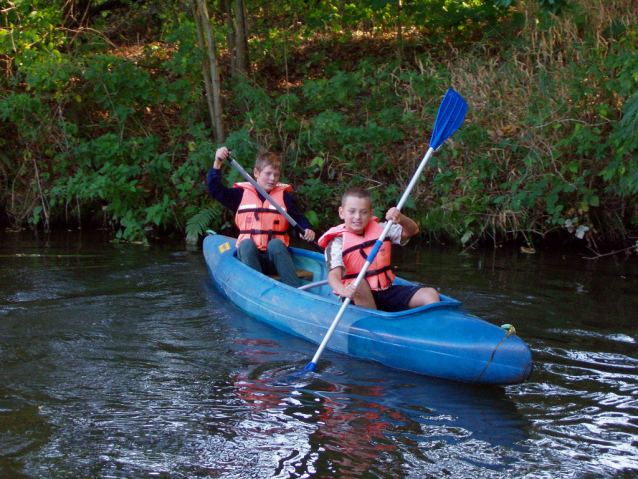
point(574, 249)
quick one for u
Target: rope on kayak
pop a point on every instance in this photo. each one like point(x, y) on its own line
point(510, 331)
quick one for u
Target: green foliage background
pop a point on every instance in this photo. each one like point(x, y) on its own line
point(107, 126)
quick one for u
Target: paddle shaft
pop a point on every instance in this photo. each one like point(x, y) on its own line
point(283, 212)
point(373, 253)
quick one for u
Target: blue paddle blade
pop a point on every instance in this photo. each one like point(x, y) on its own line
point(298, 378)
point(449, 118)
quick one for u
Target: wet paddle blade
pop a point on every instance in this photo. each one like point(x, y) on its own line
point(449, 118)
point(298, 379)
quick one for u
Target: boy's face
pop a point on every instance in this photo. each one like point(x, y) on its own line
point(267, 177)
point(356, 214)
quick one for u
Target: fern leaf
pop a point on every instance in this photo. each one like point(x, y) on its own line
point(199, 223)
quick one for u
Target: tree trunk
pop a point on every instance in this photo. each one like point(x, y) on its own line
point(399, 33)
point(208, 82)
point(211, 71)
point(230, 22)
point(241, 39)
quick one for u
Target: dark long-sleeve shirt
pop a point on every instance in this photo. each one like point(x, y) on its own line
point(231, 198)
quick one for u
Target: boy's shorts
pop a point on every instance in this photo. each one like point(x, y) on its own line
point(395, 298)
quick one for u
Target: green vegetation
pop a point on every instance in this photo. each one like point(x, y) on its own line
point(103, 116)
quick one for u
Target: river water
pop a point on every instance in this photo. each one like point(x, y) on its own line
point(123, 361)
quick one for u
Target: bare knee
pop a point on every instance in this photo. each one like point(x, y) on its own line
point(364, 296)
point(424, 296)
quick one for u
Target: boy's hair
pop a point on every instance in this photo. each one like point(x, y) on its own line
point(265, 159)
point(357, 193)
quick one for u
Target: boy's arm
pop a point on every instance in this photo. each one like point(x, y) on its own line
point(334, 263)
point(334, 279)
point(410, 228)
point(294, 212)
point(301, 220)
point(229, 197)
point(336, 268)
point(345, 291)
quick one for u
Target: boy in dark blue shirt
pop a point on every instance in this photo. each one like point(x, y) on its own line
point(263, 241)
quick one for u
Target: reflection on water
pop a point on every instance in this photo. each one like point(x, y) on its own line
point(126, 362)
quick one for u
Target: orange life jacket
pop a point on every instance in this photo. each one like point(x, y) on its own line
point(259, 219)
point(355, 254)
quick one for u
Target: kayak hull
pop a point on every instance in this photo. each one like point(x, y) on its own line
point(440, 340)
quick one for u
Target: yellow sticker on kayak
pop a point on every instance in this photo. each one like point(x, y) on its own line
point(225, 247)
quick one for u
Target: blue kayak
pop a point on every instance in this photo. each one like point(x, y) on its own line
point(440, 340)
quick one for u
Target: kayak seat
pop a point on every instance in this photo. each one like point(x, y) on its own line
point(301, 274)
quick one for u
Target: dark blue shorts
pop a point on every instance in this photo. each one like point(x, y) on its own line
point(395, 298)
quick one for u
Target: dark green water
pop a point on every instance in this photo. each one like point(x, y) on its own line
point(125, 362)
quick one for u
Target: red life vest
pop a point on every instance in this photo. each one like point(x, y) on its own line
point(259, 219)
point(355, 254)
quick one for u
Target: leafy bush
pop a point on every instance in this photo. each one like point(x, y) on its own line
point(119, 134)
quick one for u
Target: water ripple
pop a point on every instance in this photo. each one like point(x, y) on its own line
point(131, 365)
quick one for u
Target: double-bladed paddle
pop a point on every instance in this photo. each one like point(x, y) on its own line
point(263, 193)
point(449, 118)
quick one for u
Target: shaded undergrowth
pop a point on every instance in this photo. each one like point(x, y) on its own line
point(113, 129)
